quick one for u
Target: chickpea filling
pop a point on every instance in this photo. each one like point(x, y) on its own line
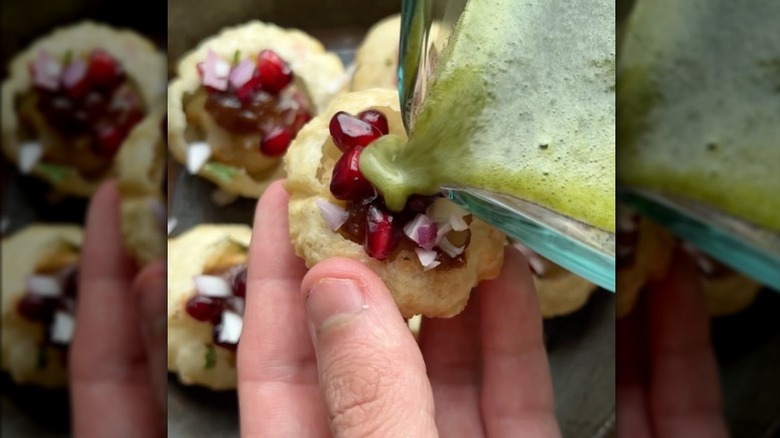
point(434, 228)
point(249, 111)
point(80, 109)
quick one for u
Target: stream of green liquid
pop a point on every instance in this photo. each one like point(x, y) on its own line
point(699, 99)
point(523, 103)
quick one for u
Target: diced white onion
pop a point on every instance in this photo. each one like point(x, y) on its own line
point(230, 327)
point(212, 286)
point(215, 71)
point(44, 285)
point(62, 328)
point(427, 258)
point(242, 73)
point(30, 154)
point(46, 71)
point(198, 155)
point(422, 230)
point(334, 215)
point(445, 211)
point(450, 249)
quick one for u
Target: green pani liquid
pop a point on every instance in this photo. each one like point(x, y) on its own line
point(523, 104)
point(699, 94)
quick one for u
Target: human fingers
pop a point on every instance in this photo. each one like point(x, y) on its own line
point(451, 349)
point(277, 372)
point(684, 388)
point(517, 388)
point(631, 373)
point(110, 387)
point(370, 369)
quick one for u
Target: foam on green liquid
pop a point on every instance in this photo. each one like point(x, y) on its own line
point(699, 99)
point(523, 104)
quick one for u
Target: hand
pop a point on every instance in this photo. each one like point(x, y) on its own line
point(667, 379)
point(327, 352)
point(118, 356)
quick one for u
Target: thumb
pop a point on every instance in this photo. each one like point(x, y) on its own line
point(371, 371)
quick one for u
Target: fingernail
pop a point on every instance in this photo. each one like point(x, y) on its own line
point(331, 299)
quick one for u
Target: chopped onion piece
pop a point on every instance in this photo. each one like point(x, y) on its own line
point(334, 215)
point(30, 153)
point(422, 230)
point(46, 71)
point(215, 71)
point(172, 222)
point(212, 286)
point(62, 328)
point(458, 224)
point(74, 73)
point(427, 258)
point(538, 264)
point(442, 232)
point(44, 285)
point(242, 73)
point(230, 327)
point(198, 155)
point(450, 249)
point(445, 211)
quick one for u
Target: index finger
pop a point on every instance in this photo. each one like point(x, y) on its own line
point(517, 387)
point(277, 371)
point(110, 388)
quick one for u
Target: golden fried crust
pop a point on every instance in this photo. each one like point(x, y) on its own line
point(142, 62)
point(321, 74)
point(561, 292)
point(309, 163)
point(653, 254)
point(21, 353)
point(188, 339)
point(376, 60)
point(141, 165)
point(729, 293)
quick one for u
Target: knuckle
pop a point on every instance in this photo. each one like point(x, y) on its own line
point(359, 392)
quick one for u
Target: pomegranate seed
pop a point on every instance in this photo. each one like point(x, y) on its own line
point(108, 139)
point(104, 70)
point(36, 308)
point(276, 142)
point(376, 119)
point(239, 282)
point(348, 131)
point(205, 309)
point(302, 117)
point(71, 283)
point(347, 183)
point(131, 118)
point(382, 234)
point(275, 72)
point(253, 84)
point(75, 79)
